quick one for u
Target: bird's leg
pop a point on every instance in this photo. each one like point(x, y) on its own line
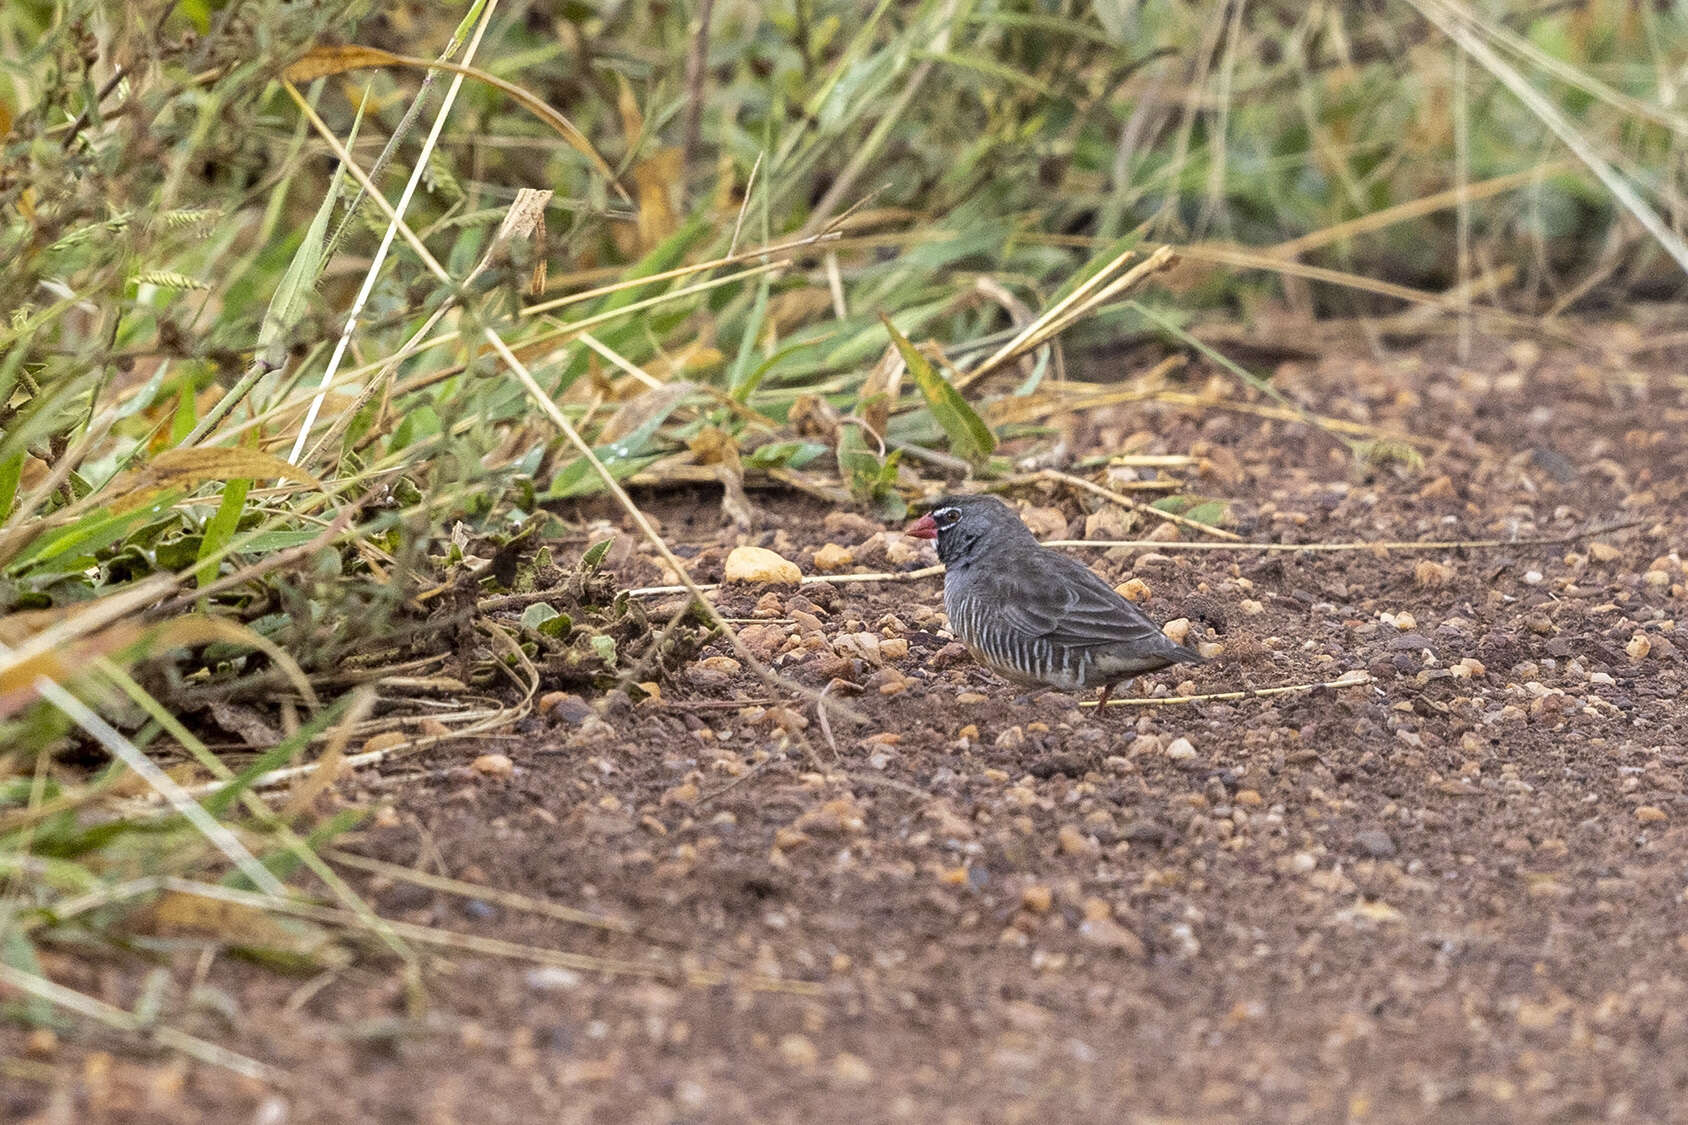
point(1102, 699)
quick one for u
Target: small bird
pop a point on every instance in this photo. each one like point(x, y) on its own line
point(1033, 615)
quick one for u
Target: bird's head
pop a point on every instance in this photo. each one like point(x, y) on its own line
point(964, 524)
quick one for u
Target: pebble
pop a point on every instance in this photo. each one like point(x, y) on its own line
point(1177, 630)
point(849, 525)
point(1428, 573)
point(494, 765)
point(841, 815)
point(1045, 523)
point(1133, 590)
point(969, 698)
point(1109, 934)
point(1638, 647)
point(1145, 832)
point(798, 1051)
point(951, 654)
point(758, 565)
point(1650, 814)
point(1037, 898)
point(552, 978)
point(386, 740)
point(863, 646)
point(1179, 750)
point(903, 551)
point(851, 1070)
point(1375, 843)
point(786, 719)
point(685, 793)
point(833, 557)
point(1144, 744)
point(762, 640)
point(594, 728)
point(1108, 522)
point(1604, 552)
point(1074, 842)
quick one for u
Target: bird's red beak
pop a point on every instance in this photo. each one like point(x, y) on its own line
point(923, 528)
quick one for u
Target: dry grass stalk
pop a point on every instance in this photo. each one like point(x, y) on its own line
point(1356, 678)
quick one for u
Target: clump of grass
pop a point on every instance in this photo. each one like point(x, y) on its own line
point(244, 404)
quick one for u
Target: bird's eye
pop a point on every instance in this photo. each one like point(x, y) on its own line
point(946, 516)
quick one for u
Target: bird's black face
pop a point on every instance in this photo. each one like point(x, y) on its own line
point(961, 523)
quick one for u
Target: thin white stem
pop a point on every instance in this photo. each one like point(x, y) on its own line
point(194, 813)
point(380, 259)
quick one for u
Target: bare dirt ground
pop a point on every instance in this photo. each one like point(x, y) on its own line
point(1459, 891)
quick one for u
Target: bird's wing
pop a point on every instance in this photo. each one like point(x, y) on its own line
point(1048, 595)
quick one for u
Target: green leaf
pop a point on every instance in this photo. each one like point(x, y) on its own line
point(287, 306)
point(186, 416)
point(969, 437)
point(579, 478)
point(11, 470)
point(786, 454)
point(94, 532)
point(1211, 513)
point(857, 464)
point(743, 379)
point(604, 646)
point(538, 614)
point(419, 422)
point(594, 556)
point(220, 530)
point(16, 951)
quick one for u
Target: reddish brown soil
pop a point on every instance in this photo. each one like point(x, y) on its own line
point(1444, 896)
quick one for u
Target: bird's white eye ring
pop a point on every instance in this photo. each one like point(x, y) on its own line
point(946, 516)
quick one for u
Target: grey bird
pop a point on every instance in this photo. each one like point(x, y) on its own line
point(1032, 614)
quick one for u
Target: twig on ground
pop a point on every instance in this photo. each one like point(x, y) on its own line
point(1355, 678)
point(1358, 545)
point(464, 889)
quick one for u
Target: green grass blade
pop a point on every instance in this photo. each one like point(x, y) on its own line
point(969, 437)
point(221, 529)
